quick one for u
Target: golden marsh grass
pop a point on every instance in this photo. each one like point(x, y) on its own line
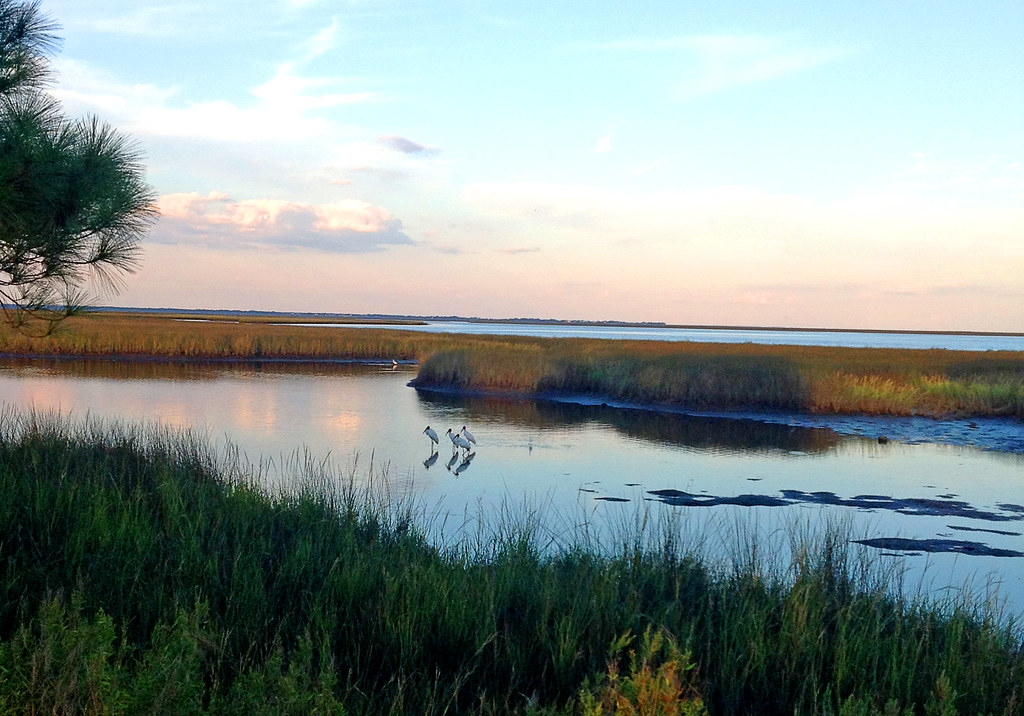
point(685, 375)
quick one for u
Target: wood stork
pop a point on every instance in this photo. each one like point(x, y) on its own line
point(432, 434)
point(462, 442)
point(468, 435)
point(452, 436)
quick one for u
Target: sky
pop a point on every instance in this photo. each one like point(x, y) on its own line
point(837, 165)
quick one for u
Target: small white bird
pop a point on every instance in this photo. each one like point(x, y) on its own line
point(468, 435)
point(430, 433)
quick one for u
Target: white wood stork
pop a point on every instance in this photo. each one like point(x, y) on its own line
point(432, 434)
point(468, 435)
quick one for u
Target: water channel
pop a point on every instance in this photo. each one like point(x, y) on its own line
point(943, 513)
point(796, 337)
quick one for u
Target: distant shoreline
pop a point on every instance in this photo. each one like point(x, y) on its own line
point(406, 319)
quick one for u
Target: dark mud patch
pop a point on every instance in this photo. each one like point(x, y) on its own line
point(918, 546)
point(913, 506)
point(902, 505)
point(1006, 533)
point(679, 498)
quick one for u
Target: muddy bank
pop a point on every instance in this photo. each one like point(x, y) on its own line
point(1001, 434)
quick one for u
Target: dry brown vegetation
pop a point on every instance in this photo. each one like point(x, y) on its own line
point(687, 375)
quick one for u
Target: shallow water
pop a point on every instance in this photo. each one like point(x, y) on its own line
point(583, 464)
point(850, 339)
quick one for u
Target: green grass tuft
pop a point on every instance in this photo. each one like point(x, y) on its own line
point(141, 573)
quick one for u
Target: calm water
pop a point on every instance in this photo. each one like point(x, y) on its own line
point(851, 339)
point(579, 463)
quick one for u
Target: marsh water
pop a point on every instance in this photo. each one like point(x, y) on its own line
point(766, 336)
point(947, 515)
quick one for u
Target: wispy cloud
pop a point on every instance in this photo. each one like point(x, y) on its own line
point(950, 291)
point(322, 42)
point(167, 20)
point(288, 88)
point(347, 226)
point(289, 104)
point(405, 146)
point(720, 62)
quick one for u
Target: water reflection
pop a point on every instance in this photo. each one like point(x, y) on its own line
point(178, 370)
point(697, 432)
point(856, 339)
point(603, 462)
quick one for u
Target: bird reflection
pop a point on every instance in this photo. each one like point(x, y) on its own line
point(464, 465)
point(430, 460)
point(455, 459)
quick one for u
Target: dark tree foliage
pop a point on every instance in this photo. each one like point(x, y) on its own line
point(73, 200)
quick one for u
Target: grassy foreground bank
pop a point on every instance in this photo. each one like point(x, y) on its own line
point(678, 375)
point(141, 574)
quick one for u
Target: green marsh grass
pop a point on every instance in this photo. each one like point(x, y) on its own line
point(141, 573)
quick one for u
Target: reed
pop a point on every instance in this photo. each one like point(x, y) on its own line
point(139, 572)
point(677, 375)
point(747, 377)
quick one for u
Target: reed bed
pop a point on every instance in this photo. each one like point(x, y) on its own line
point(677, 375)
point(141, 573)
point(745, 377)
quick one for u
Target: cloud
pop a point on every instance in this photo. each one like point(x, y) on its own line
point(742, 236)
point(285, 107)
point(520, 250)
point(186, 19)
point(346, 226)
point(722, 62)
point(405, 146)
point(289, 105)
point(950, 291)
point(322, 42)
point(604, 145)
